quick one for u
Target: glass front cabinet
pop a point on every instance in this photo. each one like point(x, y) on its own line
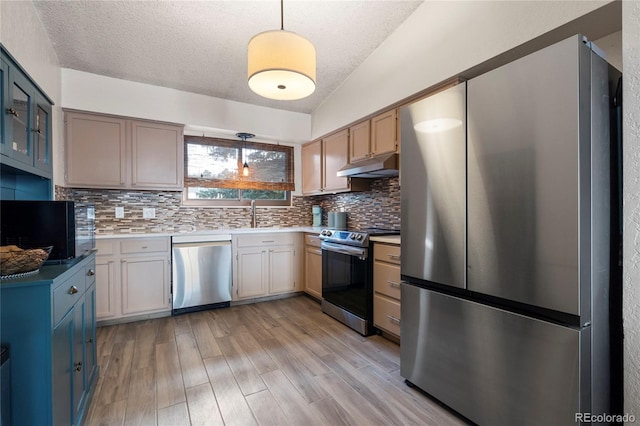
point(26, 121)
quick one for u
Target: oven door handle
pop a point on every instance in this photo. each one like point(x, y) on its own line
point(359, 252)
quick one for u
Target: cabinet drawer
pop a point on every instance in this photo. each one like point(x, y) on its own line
point(105, 247)
point(386, 314)
point(257, 240)
point(387, 253)
point(144, 245)
point(67, 294)
point(386, 279)
point(312, 240)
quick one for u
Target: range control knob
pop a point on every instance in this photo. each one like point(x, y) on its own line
point(352, 236)
point(359, 237)
point(329, 233)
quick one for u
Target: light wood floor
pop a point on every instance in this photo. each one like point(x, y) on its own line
point(282, 362)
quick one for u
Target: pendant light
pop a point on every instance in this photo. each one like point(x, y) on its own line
point(244, 137)
point(281, 64)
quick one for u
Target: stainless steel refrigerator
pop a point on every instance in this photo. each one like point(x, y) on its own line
point(505, 240)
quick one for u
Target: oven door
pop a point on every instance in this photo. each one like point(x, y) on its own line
point(346, 279)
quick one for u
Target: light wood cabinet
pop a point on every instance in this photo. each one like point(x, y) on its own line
point(359, 141)
point(384, 133)
point(265, 264)
point(104, 151)
point(321, 160)
point(133, 278)
point(336, 156)
point(312, 167)
point(313, 266)
point(376, 136)
point(386, 287)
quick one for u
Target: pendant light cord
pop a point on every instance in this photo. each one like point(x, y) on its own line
point(282, 14)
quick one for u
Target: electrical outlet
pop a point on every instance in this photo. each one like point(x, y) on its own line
point(119, 212)
point(148, 213)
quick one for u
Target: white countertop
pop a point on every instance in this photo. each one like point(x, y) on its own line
point(389, 239)
point(232, 231)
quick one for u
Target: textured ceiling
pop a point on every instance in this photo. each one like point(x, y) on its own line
point(200, 46)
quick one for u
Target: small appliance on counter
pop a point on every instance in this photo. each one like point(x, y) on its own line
point(66, 225)
point(337, 220)
point(317, 215)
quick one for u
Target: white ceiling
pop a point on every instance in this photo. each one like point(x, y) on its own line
point(200, 46)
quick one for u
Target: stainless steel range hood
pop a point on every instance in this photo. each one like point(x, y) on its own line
point(383, 165)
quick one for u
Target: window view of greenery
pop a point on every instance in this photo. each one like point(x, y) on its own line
point(222, 164)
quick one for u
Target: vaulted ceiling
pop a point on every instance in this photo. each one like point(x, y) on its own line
point(201, 46)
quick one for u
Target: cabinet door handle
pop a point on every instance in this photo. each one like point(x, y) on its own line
point(12, 111)
point(77, 366)
point(37, 131)
point(91, 272)
point(268, 241)
point(393, 284)
point(394, 319)
point(90, 340)
point(144, 247)
point(394, 256)
point(73, 289)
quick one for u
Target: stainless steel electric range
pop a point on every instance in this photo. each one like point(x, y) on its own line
point(347, 276)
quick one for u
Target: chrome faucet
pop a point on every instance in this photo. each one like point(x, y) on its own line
point(253, 213)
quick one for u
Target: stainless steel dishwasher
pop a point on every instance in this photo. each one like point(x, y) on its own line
point(201, 272)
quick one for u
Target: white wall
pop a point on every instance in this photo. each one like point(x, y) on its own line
point(631, 207)
point(438, 41)
point(24, 36)
point(93, 92)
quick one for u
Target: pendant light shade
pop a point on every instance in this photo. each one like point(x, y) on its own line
point(281, 65)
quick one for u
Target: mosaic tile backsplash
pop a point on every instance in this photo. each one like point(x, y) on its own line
point(378, 207)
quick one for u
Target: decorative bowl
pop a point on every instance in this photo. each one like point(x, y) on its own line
point(16, 261)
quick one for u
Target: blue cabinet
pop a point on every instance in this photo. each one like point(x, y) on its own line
point(48, 321)
point(26, 121)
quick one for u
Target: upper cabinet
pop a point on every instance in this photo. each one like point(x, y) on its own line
point(321, 160)
point(378, 135)
point(359, 141)
point(384, 133)
point(336, 155)
point(312, 167)
point(25, 121)
point(105, 151)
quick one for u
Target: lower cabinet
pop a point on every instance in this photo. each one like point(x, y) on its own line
point(313, 265)
point(133, 277)
point(50, 325)
point(265, 264)
point(386, 287)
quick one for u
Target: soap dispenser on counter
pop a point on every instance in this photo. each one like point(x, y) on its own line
point(317, 215)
